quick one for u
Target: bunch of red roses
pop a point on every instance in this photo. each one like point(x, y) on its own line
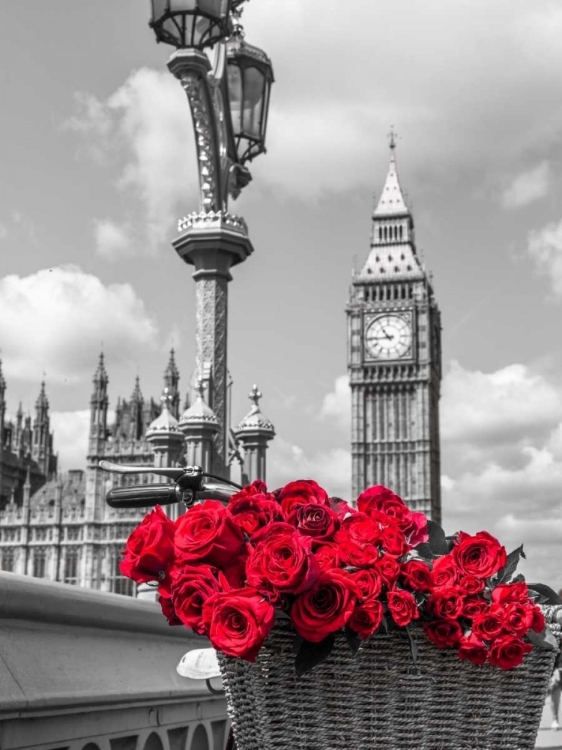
point(228, 572)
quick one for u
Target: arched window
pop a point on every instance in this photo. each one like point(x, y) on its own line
point(7, 559)
point(71, 565)
point(400, 231)
point(380, 233)
point(118, 583)
point(39, 562)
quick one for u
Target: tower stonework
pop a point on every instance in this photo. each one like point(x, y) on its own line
point(394, 361)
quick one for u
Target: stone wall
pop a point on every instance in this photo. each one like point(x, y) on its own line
point(86, 670)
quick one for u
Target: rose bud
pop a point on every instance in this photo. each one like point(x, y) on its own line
point(402, 606)
point(207, 533)
point(508, 651)
point(150, 548)
point(443, 633)
point(473, 649)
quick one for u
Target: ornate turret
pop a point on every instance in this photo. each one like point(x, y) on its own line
point(41, 450)
point(200, 426)
point(164, 436)
point(136, 406)
point(254, 433)
point(171, 382)
point(99, 403)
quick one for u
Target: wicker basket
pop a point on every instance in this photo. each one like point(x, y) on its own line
point(373, 701)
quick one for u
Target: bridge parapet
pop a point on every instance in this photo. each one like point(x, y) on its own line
point(86, 670)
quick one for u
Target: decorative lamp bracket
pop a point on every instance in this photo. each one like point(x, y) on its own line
point(220, 173)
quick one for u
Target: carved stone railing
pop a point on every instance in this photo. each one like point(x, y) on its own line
point(85, 670)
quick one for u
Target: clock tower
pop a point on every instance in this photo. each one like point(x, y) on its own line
point(394, 360)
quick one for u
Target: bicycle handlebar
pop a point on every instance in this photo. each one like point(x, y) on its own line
point(143, 496)
point(188, 487)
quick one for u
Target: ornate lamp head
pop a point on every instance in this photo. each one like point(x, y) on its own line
point(191, 23)
point(250, 75)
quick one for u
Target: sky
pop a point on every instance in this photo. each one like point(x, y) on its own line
point(98, 163)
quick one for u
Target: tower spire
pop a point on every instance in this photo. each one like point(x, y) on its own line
point(391, 202)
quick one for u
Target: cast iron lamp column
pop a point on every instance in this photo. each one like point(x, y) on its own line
point(229, 102)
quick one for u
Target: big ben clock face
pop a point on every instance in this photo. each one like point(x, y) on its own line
point(388, 337)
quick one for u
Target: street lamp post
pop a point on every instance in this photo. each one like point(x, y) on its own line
point(229, 101)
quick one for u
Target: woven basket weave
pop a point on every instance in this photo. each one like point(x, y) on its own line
point(373, 701)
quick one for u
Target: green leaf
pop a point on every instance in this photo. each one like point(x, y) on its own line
point(352, 639)
point(550, 596)
point(510, 566)
point(437, 541)
point(546, 639)
point(312, 654)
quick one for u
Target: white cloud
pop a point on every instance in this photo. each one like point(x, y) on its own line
point(148, 117)
point(481, 118)
point(490, 409)
point(545, 248)
point(55, 318)
point(71, 438)
point(337, 404)
point(501, 445)
point(502, 460)
point(113, 241)
point(331, 469)
point(528, 187)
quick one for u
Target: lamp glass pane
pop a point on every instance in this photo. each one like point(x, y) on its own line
point(235, 96)
point(214, 8)
point(170, 27)
point(159, 7)
point(180, 5)
point(254, 88)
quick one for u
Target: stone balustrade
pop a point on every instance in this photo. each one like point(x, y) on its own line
point(86, 670)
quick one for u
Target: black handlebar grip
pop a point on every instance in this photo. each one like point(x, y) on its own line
point(143, 496)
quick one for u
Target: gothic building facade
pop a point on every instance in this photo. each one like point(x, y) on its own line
point(394, 360)
point(59, 526)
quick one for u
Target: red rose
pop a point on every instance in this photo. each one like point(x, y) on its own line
point(415, 529)
point(358, 538)
point(473, 649)
point(235, 570)
point(539, 623)
point(518, 618)
point(150, 548)
point(510, 592)
point(474, 606)
point(417, 575)
point(207, 533)
point(238, 622)
point(402, 606)
point(444, 572)
point(192, 585)
point(340, 507)
point(254, 512)
point(446, 603)
point(327, 556)
point(257, 487)
point(381, 499)
point(167, 606)
point(366, 618)
point(393, 541)
point(480, 555)
point(326, 607)
point(388, 569)
point(508, 651)
point(489, 624)
point(282, 561)
point(301, 492)
point(470, 585)
point(443, 633)
point(318, 521)
point(368, 583)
